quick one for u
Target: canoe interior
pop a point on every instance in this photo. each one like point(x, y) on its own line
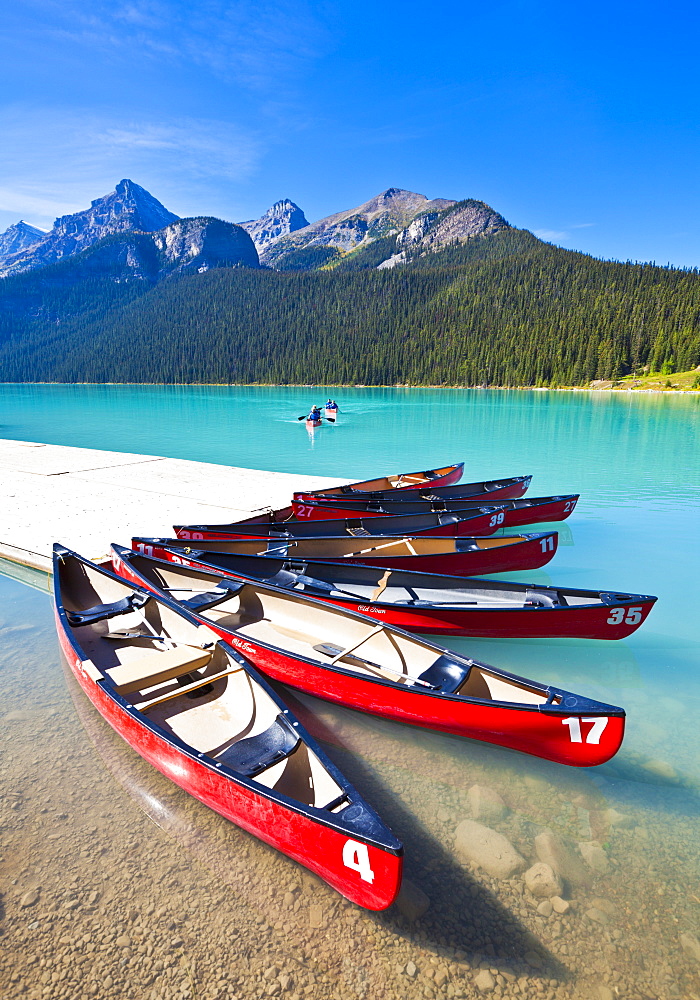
point(387, 586)
point(305, 628)
point(205, 697)
point(335, 547)
point(406, 479)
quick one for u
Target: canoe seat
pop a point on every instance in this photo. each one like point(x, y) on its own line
point(156, 667)
point(222, 592)
point(256, 753)
point(100, 612)
point(445, 675)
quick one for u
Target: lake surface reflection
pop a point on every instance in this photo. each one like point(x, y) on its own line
point(116, 884)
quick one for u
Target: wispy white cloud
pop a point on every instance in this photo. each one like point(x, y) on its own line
point(58, 160)
point(257, 43)
point(552, 235)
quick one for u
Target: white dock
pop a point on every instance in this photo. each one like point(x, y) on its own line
point(87, 499)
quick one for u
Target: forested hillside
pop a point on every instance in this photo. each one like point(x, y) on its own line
point(504, 309)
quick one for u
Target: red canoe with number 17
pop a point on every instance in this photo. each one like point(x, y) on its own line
point(368, 665)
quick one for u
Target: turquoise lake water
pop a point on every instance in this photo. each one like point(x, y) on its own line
point(634, 458)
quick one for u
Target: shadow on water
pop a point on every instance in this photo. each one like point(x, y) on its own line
point(464, 914)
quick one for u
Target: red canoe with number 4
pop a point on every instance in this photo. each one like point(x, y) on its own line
point(514, 513)
point(367, 665)
point(479, 520)
point(449, 556)
point(202, 715)
point(492, 489)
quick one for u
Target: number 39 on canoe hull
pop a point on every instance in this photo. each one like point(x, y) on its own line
point(195, 709)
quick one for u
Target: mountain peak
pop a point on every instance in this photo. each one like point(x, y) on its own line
point(19, 237)
point(388, 212)
point(280, 219)
point(126, 209)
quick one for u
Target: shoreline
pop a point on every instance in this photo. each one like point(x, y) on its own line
point(332, 385)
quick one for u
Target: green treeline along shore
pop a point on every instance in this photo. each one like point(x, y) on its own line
point(504, 310)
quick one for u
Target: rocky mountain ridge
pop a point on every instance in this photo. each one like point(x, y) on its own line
point(186, 246)
point(389, 229)
point(434, 231)
point(129, 208)
point(344, 232)
point(280, 219)
point(19, 237)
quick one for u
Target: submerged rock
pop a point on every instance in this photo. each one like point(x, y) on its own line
point(487, 848)
point(29, 898)
point(543, 881)
point(690, 946)
point(484, 981)
point(594, 856)
point(486, 804)
point(412, 902)
point(553, 851)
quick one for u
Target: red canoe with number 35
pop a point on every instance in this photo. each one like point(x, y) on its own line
point(360, 663)
point(446, 605)
point(193, 707)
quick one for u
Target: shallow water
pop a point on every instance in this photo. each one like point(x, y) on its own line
point(143, 892)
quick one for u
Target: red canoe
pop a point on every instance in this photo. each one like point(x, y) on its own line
point(195, 709)
point(445, 476)
point(513, 514)
point(360, 663)
point(447, 605)
point(449, 556)
point(492, 489)
point(479, 520)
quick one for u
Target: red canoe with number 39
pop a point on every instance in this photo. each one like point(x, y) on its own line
point(195, 708)
point(363, 664)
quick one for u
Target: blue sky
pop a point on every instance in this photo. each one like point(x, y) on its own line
point(579, 122)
